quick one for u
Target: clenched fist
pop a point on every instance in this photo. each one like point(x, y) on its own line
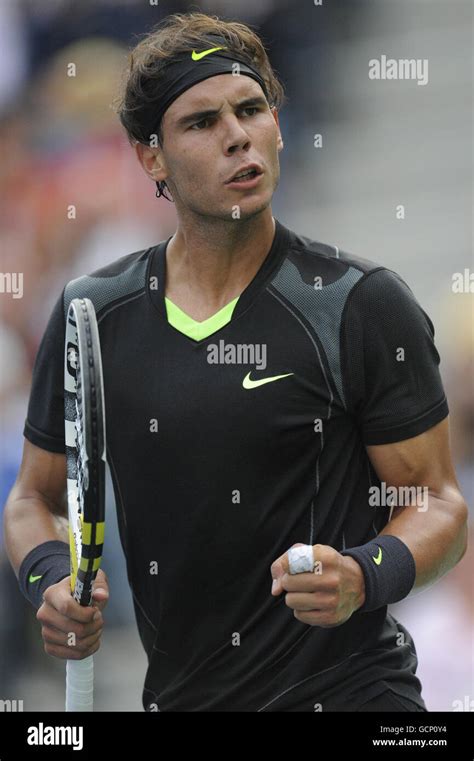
point(70, 630)
point(326, 596)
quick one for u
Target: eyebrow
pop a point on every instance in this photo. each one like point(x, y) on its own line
point(196, 116)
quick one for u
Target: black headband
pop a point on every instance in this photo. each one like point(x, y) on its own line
point(186, 71)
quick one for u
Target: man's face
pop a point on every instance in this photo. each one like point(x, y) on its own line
point(213, 131)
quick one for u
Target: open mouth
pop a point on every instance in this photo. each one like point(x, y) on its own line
point(246, 175)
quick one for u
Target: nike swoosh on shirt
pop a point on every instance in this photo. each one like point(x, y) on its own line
point(34, 578)
point(249, 383)
point(378, 559)
point(197, 56)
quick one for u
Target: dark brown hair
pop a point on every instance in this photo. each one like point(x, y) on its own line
point(175, 35)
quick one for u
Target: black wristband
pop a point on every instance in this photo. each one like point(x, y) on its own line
point(45, 565)
point(389, 570)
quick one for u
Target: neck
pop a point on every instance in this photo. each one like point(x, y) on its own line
point(209, 262)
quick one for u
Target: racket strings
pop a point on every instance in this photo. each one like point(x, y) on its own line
point(94, 442)
point(87, 515)
point(81, 452)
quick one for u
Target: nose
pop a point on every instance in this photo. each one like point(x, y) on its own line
point(235, 137)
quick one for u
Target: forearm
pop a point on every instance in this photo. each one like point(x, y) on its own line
point(436, 535)
point(30, 521)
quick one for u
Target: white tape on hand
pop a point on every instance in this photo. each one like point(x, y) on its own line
point(301, 559)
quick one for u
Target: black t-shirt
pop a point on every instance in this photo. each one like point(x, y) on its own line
point(215, 477)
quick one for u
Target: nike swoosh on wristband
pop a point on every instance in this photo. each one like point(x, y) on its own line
point(378, 559)
point(197, 56)
point(249, 383)
point(34, 578)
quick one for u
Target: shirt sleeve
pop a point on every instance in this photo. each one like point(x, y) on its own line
point(44, 425)
point(390, 363)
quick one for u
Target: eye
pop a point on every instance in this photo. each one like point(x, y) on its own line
point(200, 124)
point(250, 108)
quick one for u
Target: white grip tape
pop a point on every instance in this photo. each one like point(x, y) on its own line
point(301, 559)
point(80, 684)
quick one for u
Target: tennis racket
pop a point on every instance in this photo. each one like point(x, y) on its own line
point(84, 421)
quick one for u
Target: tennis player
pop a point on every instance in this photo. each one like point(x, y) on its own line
point(277, 429)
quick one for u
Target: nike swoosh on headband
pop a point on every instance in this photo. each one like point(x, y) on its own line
point(197, 56)
point(249, 383)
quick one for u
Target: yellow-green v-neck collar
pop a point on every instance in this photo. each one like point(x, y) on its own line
point(198, 330)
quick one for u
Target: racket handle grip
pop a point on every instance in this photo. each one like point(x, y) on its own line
point(80, 684)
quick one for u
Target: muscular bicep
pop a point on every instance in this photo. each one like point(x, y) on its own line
point(423, 461)
point(42, 475)
point(433, 527)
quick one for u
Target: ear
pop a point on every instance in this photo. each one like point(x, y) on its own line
point(152, 161)
point(280, 144)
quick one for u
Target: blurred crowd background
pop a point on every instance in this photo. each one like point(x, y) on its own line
point(384, 143)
